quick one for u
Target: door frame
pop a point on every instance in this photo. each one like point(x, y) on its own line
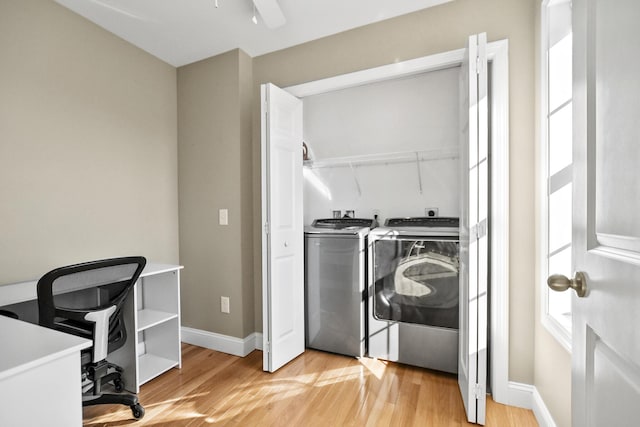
point(497, 55)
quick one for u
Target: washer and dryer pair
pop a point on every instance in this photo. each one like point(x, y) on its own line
point(390, 292)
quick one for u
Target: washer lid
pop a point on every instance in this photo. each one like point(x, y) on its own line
point(340, 223)
point(341, 226)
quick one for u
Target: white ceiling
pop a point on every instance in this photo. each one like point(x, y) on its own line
point(183, 31)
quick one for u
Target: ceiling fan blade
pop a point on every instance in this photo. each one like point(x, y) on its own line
point(271, 13)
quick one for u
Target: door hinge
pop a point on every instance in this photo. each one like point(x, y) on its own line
point(478, 391)
point(268, 347)
point(481, 229)
point(478, 64)
point(266, 228)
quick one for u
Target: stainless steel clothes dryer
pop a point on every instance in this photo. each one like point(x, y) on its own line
point(413, 292)
point(335, 285)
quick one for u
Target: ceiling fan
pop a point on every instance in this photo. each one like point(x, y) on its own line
point(271, 13)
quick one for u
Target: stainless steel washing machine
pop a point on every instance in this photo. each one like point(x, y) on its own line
point(336, 284)
point(413, 292)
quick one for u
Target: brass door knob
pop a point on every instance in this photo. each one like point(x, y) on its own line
point(561, 283)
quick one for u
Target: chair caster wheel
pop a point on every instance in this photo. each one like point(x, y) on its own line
point(137, 410)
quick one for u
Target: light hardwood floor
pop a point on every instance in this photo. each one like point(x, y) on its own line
point(316, 389)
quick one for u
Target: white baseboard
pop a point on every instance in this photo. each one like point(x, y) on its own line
point(527, 396)
point(541, 412)
point(258, 340)
point(520, 395)
point(224, 343)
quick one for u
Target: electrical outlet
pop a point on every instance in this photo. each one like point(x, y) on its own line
point(224, 305)
point(431, 212)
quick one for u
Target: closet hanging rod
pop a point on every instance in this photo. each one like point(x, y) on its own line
point(384, 158)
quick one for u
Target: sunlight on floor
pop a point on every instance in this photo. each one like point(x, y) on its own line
point(273, 390)
point(340, 375)
point(318, 389)
point(171, 410)
point(375, 366)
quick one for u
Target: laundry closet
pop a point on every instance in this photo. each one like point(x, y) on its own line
point(395, 161)
point(384, 152)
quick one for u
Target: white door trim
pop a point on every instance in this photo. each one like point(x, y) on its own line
point(497, 54)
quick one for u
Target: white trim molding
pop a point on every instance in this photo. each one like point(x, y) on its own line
point(498, 55)
point(223, 343)
point(551, 324)
point(527, 396)
point(378, 74)
point(543, 416)
point(520, 395)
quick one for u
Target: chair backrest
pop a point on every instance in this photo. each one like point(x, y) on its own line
point(67, 294)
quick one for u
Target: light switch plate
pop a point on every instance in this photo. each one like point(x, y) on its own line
point(223, 217)
point(224, 305)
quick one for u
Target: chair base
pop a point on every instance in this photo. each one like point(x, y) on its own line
point(122, 399)
point(129, 400)
point(98, 374)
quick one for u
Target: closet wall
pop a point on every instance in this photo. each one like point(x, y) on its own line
point(388, 148)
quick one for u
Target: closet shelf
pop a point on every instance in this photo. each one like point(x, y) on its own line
point(384, 158)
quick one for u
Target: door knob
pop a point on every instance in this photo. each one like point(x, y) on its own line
point(561, 283)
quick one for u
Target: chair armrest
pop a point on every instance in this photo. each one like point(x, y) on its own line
point(101, 331)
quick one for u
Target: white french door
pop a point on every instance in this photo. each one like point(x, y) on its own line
point(282, 235)
point(606, 202)
point(472, 351)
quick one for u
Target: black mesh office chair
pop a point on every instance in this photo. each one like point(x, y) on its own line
point(86, 300)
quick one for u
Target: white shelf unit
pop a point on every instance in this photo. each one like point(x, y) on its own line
point(152, 323)
point(153, 327)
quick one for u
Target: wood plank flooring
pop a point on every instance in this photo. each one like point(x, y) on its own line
point(316, 389)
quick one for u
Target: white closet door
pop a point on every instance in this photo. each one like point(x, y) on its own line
point(472, 351)
point(283, 233)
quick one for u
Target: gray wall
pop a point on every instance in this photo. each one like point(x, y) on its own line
point(214, 105)
point(88, 144)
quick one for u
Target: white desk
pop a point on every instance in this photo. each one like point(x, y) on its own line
point(152, 322)
point(40, 382)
